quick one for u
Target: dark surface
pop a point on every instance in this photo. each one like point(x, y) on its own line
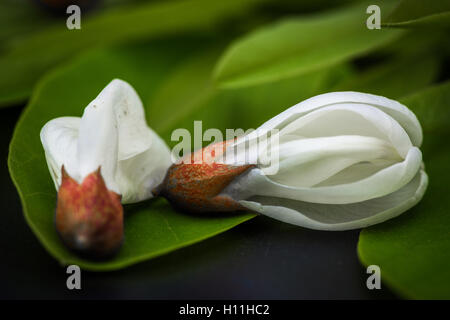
point(260, 259)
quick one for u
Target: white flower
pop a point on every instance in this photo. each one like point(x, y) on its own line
point(112, 134)
point(346, 160)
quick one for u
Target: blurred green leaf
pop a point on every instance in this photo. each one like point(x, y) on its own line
point(299, 45)
point(394, 77)
point(432, 108)
point(24, 60)
point(413, 250)
point(185, 89)
point(20, 17)
point(417, 41)
point(420, 13)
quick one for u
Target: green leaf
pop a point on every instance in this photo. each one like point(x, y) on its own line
point(295, 46)
point(24, 61)
point(415, 42)
point(413, 251)
point(18, 18)
point(151, 228)
point(419, 13)
point(192, 85)
point(394, 77)
point(432, 109)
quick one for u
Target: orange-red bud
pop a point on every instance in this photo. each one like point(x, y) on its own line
point(89, 217)
point(196, 187)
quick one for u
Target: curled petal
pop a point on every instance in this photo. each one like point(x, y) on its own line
point(376, 185)
point(405, 117)
point(308, 162)
point(98, 137)
point(59, 138)
point(341, 217)
point(139, 174)
point(350, 119)
point(335, 113)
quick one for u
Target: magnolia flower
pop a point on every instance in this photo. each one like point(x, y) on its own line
point(107, 156)
point(346, 160)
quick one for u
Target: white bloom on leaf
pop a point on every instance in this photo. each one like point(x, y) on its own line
point(346, 160)
point(111, 134)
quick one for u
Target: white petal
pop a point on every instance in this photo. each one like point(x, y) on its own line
point(98, 139)
point(138, 175)
point(59, 138)
point(363, 106)
point(377, 185)
point(307, 162)
point(344, 216)
point(112, 128)
point(350, 119)
point(134, 134)
point(396, 110)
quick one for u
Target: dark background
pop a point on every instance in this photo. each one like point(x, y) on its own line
point(259, 259)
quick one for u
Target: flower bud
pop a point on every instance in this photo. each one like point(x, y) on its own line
point(344, 160)
point(194, 183)
point(89, 217)
point(112, 134)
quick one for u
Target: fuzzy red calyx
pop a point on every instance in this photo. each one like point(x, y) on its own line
point(195, 185)
point(89, 217)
